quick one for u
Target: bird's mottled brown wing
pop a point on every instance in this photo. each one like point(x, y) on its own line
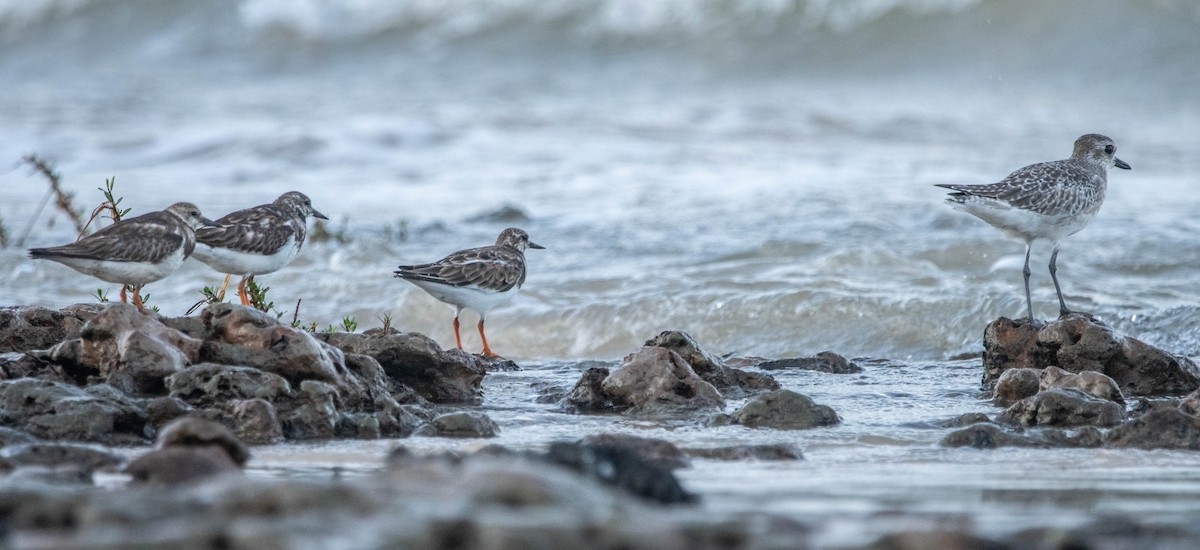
point(146, 238)
point(490, 267)
point(259, 230)
point(1059, 187)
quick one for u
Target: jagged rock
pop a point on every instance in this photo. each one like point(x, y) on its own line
point(312, 415)
point(1063, 408)
point(965, 419)
point(1157, 429)
point(588, 394)
point(208, 384)
point(784, 410)
point(32, 364)
point(777, 451)
point(416, 361)
point(655, 451)
point(620, 465)
point(826, 361)
point(1089, 382)
point(1076, 343)
point(461, 424)
point(254, 421)
point(25, 328)
point(655, 381)
point(711, 368)
point(991, 436)
point(12, 436)
point(126, 348)
point(1015, 385)
point(162, 410)
point(53, 410)
point(195, 432)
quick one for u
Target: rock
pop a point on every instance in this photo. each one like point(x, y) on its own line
point(461, 424)
point(25, 328)
point(777, 451)
point(312, 415)
point(1076, 343)
point(508, 214)
point(965, 419)
point(1063, 408)
point(655, 381)
point(57, 411)
point(180, 465)
point(1015, 385)
point(165, 409)
point(195, 432)
point(784, 410)
point(939, 539)
point(655, 451)
point(588, 394)
point(12, 436)
point(416, 361)
point(254, 421)
point(32, 364)
point(711, 368)
point(1089, 382)
point(207, 384)
point(1191, 403)
point(621, 466)
point(127, 348)
point(991, 436)
point(826, 361)
point(80, 457)
point(498, 364)
point(1157, 429)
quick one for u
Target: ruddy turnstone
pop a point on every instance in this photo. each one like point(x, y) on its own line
point(1047, 200)
point(135, 251)
point(257, 240)
point(478, 279)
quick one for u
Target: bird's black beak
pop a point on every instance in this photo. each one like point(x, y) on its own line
point(319, 215)
point(1120, 163)
point(536, 246)
point(207, 222)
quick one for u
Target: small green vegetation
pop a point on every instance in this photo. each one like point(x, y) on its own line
point(386, 322)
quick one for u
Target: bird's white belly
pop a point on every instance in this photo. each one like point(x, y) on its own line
point(469, 297)
point(1024, 224)
point(130, 273)
point(236, 262)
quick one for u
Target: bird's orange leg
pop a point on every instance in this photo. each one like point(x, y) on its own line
point(124, 298)
point(242, 291)
point(457, 338)
point(487, 352)
point(224, 285)
point(137, 298)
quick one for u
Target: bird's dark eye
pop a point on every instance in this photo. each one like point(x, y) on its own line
point(1109, 149)
point(195, 214)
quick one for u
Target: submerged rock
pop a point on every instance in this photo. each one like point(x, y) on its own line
point(461, 424)
point(992, 436)
point(1157, 429)
point(826, 361)
point(1076, 343)
point(1064, 408)
point(622, 466)
point(784, 410)
point(655, 381)
point(777, 451)
point(655, 451)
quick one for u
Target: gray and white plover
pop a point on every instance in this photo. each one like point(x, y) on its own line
point(478, 279)
point(135, 251)
point(256, 241)
point(1047, 200)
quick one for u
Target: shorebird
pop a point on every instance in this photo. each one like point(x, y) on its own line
point(478, 279)
point(135, 251)
point(257, 240)
point(1047, 200)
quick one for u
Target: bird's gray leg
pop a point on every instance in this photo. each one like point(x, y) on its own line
point(1027, 273)
point(1062, 304)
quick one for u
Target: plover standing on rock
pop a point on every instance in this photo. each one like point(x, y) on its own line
point(1047, 200)
point(134, 251)
point(478, 279)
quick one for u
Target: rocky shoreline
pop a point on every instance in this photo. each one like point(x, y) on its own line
point(76, 382)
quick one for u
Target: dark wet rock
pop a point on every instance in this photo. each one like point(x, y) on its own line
point(621, 466)
point(16, 365)
point(161, 410)
point(461, 424)
point(784, 410)
point(498, 364)
point(359, 426)
point(1015, 385)
point(195, 432)
point(24, 328)
point(588, 394)
point(507, 214)
point(127, 348)
point(1076, 343)
point(1063, 408)
point(416, 361)
point(1157, 429)
point(53, 410)
point(992, 436)
point(962, 420)
point(13, 436)
point(655, 381)
point(80, 457)
point(313, 414)
point(710, 368)
point(180, 465)
point(1089, 382)
point(826, 361)
point(937, 539)
point(548, 392)
point(656, 451)
point(208, 384)
point(772, 452)
point(1190, 404)
point(254, 421)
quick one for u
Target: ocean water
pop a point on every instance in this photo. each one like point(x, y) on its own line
point(758, 173)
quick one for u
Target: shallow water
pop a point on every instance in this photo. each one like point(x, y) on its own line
point(757, 173)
